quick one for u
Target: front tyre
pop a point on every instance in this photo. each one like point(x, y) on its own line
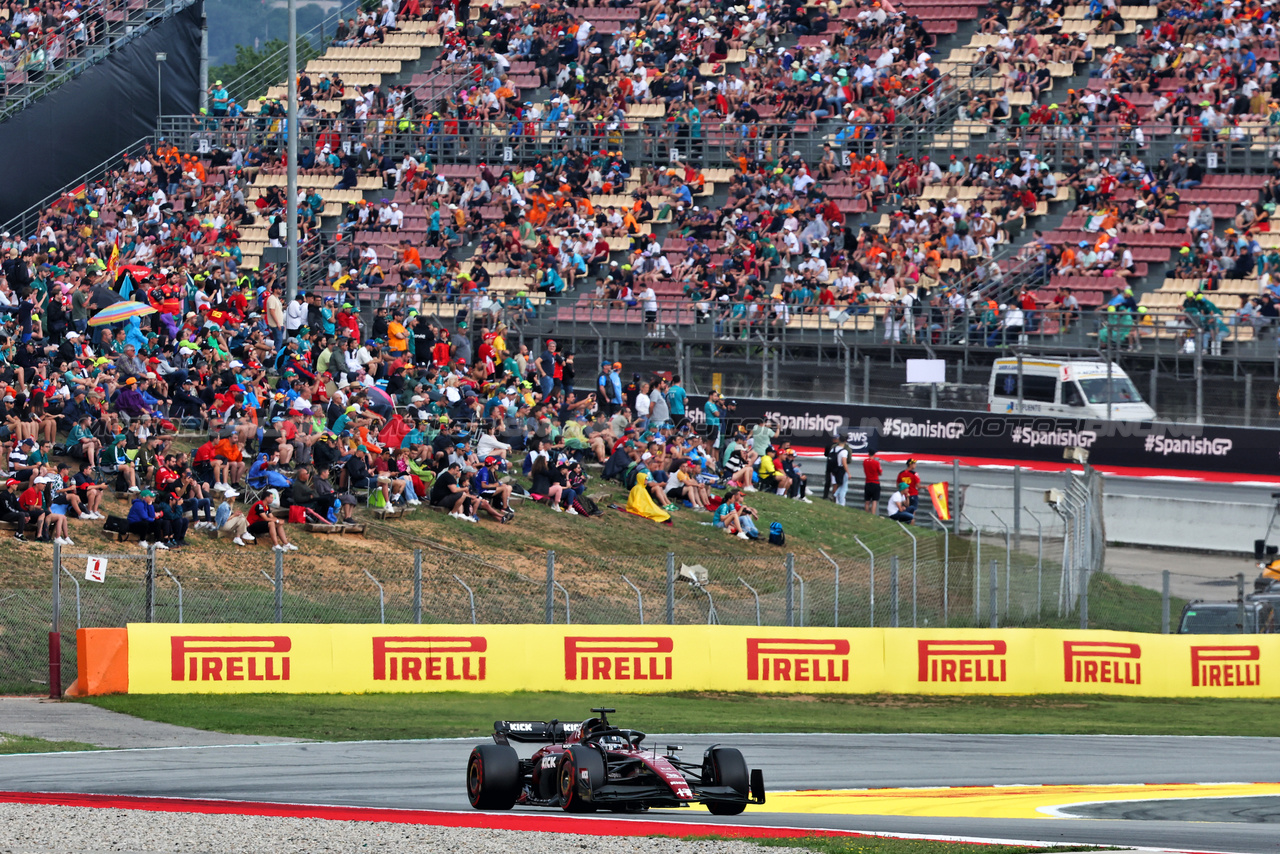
point(724, 766)
point(580, 772)
point(493, 777)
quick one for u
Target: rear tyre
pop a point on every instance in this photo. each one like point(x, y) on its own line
point(493, 777)
point(724, 766)
point(580, 772)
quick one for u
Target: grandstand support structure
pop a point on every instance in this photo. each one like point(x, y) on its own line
point(132, 24)
point(28, 221)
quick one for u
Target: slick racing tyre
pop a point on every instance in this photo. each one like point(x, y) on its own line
point(493, 777)
point(724, 766)
point(580, 772)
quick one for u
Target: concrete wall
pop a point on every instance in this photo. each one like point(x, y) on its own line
point(1136, 519)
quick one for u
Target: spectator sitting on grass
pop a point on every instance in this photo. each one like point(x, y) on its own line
point(736, 518)
point(231, 521)
point(736, 468)
point(550, 483)
point(450, 492)
point(683, 485)
point(900, 505)
point(771, 477)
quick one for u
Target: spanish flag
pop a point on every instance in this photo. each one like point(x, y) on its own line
point(938, 492)
point(114, 257)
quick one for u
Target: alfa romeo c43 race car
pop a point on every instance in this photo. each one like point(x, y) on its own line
point(594, 765)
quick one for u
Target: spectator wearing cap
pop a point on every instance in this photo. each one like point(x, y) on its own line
point(398, 338)
point(115, 459)
point(799, 480)
point(899, 509)
point(11, 509)
point(608, 389)
point(142, 521)
point(772, 479)
point(912, 480)
point(492, 490)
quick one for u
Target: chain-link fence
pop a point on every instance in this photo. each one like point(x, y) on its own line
point(911, 576)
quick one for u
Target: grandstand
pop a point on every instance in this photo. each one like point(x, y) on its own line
point(986, 89)
point(713, 181)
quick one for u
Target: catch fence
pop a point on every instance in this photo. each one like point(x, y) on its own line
point(922, 576)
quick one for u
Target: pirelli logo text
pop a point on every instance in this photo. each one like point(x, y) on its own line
point(618, 659)
point(230, 659)
point(1226, 666)
point(962, 661)
point(797, 660)
point(429, 659)
point(1103, 662)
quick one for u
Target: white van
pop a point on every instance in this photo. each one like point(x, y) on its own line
point(1065, 388)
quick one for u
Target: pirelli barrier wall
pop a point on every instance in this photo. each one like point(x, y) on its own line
point(166, 658)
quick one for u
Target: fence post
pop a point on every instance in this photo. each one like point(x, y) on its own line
point(417, 585)
point(55, 593)
point(914, 621)
point(671, 588)
point(551, 588)
point(956, 509)
point(791, 594)
point(1017, 507)
point(279, 587)
point(1084, 597)
point(151, 584)
point(946, 576)
point(835, 617)
point(992, 606)
point(55, 637)
point(1240, 602)
point(1248, 400)
point(893, 591)
point(1164, 602)
point(871, 603)
point(1039, 563)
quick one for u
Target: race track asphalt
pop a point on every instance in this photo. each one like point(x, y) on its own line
point(429, 775)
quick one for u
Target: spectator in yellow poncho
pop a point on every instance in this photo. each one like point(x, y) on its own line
point(639, 502)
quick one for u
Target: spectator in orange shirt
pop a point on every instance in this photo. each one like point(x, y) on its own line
point(410, 260)
point(229, 451)
point(397, 335)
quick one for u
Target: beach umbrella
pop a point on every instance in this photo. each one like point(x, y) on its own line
point(377, 395)
point(122, 310)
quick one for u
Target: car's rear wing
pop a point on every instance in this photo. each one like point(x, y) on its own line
point(533, 732)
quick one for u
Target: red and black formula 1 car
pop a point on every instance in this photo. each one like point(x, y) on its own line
point(593, 765)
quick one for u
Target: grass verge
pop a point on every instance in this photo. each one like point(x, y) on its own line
point(348, 717)
point(27, 744)
point(880, 845)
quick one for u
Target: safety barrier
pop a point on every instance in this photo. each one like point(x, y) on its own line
point(291, 658)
